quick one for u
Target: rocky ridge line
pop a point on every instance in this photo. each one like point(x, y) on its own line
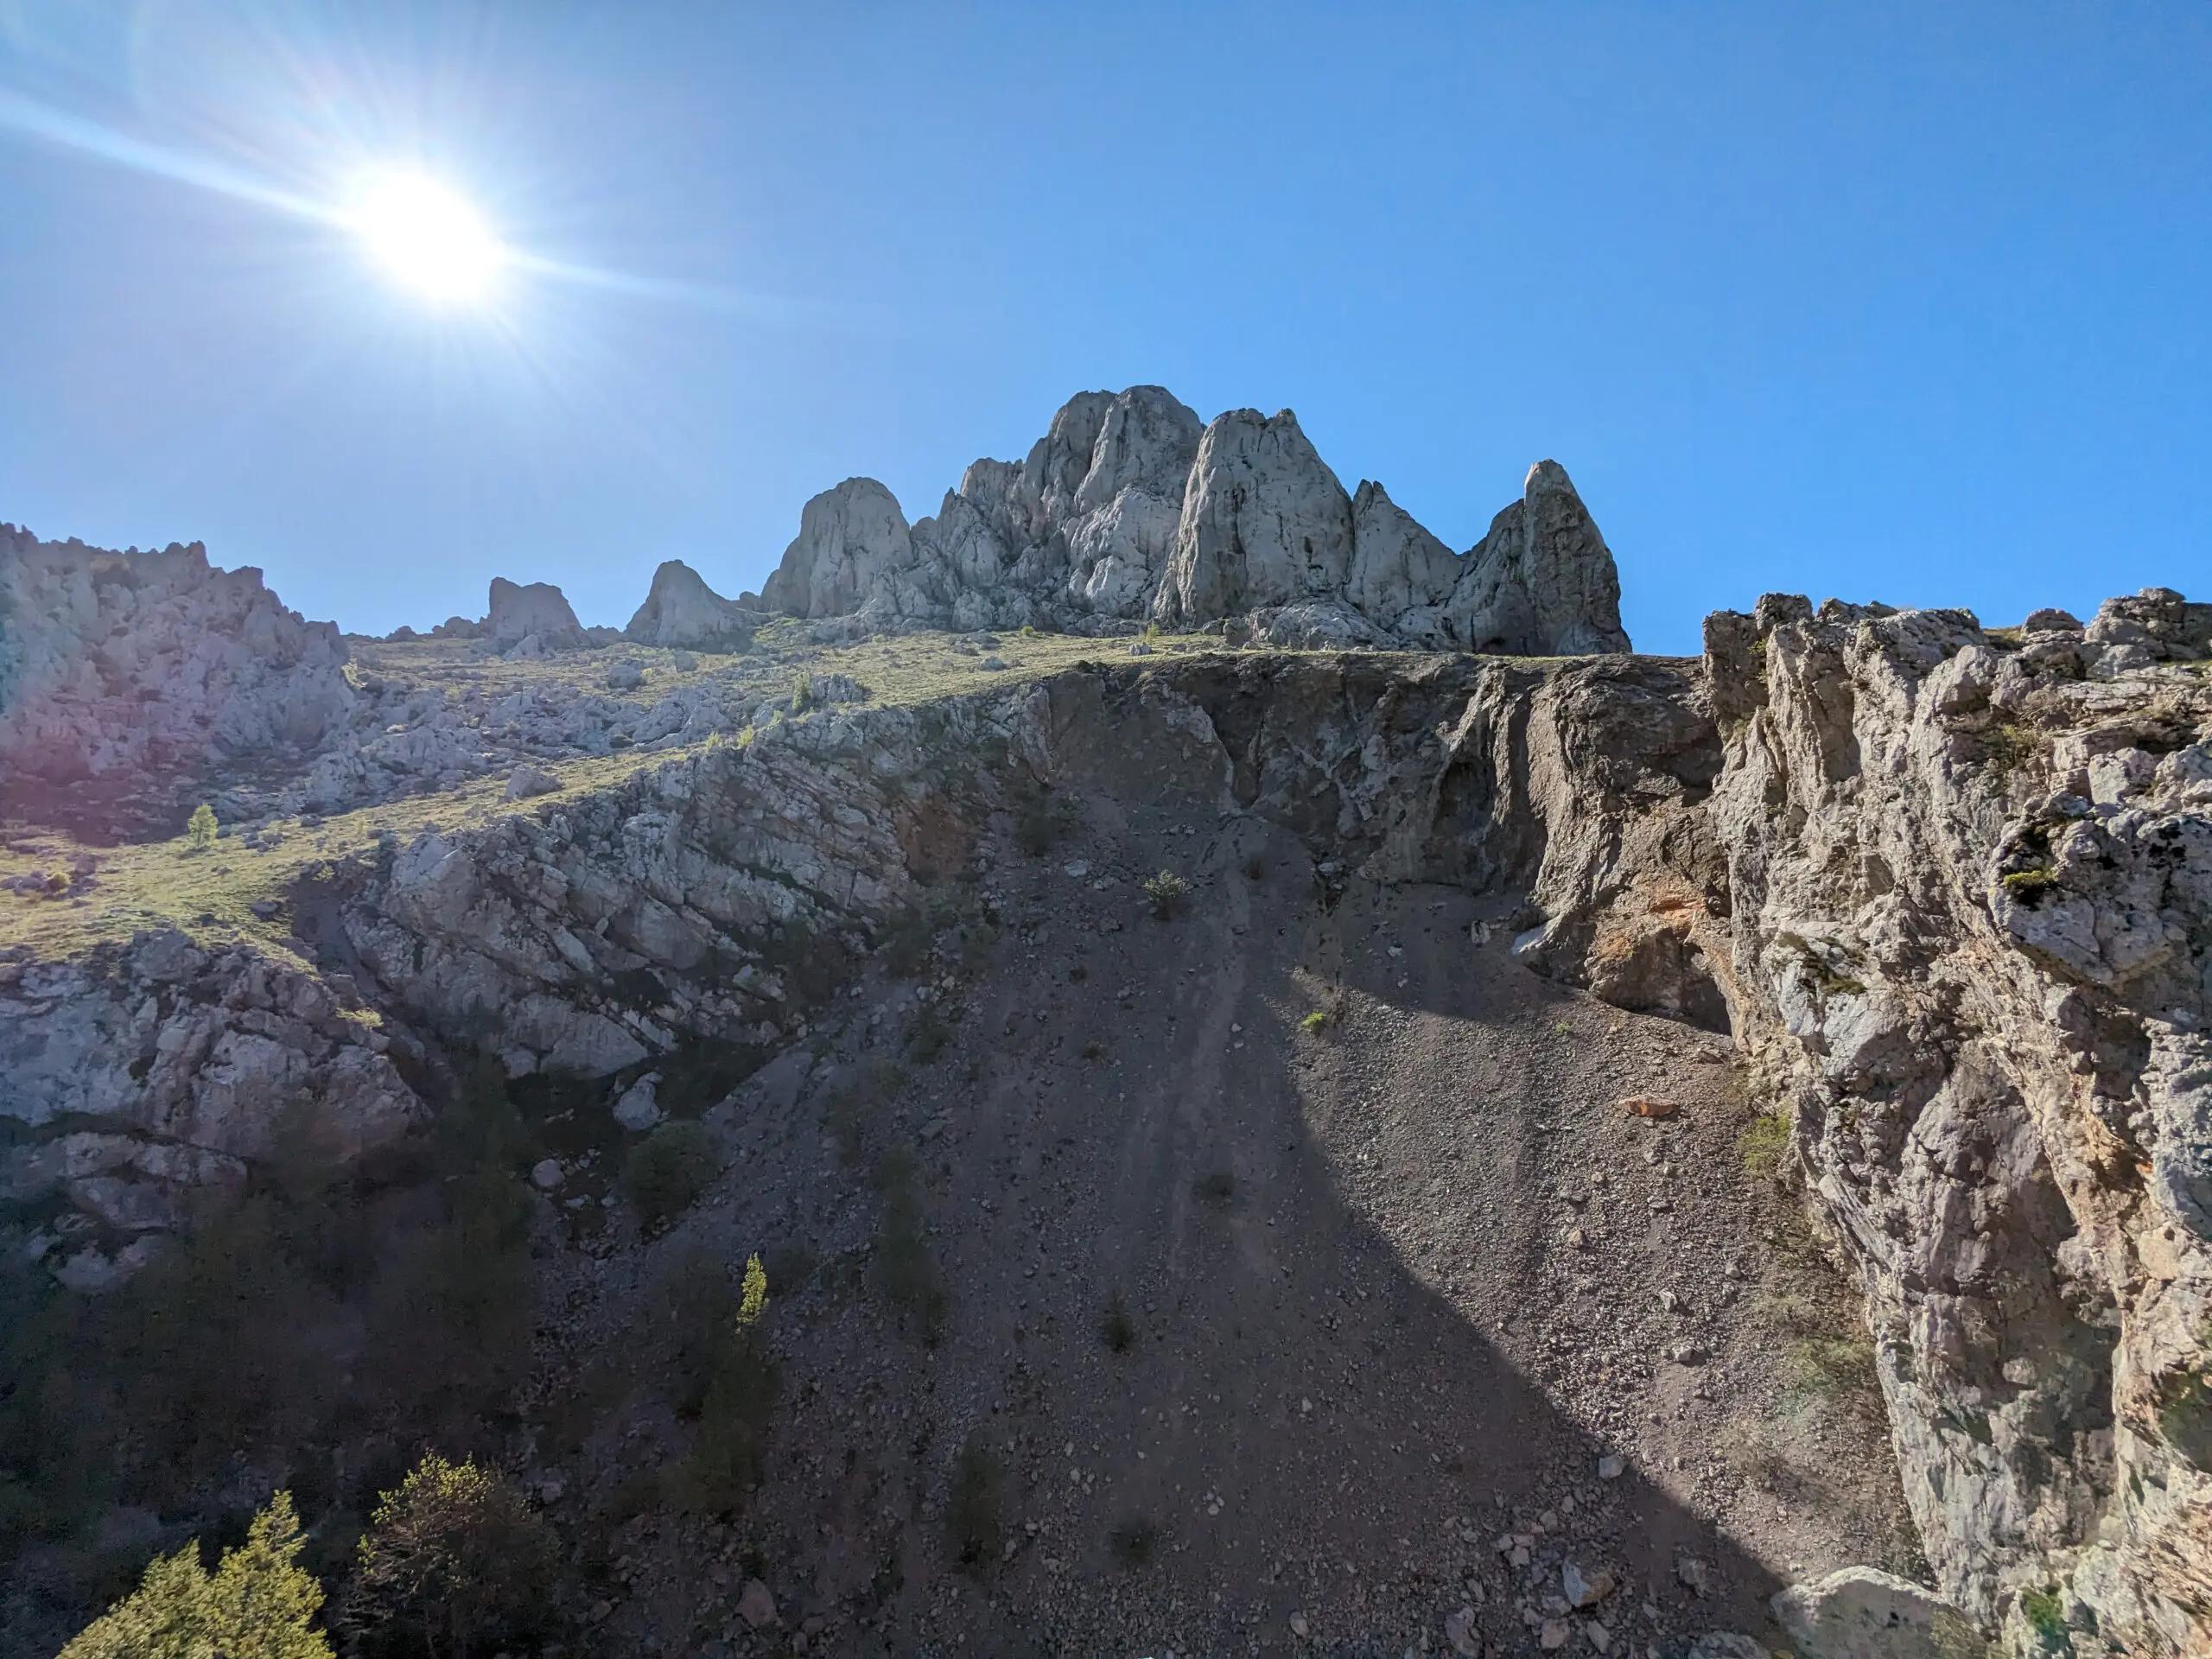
point(1129, 510)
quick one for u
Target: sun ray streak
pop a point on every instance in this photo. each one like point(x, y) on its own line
point(30, 118)
point(84, 137)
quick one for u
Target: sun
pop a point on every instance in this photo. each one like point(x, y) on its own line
point(428, 237)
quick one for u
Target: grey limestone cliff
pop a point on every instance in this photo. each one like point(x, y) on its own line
point(1130, 510)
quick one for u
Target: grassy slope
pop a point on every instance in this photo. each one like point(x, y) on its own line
point(162, 884)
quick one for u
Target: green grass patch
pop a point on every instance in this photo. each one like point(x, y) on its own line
point(1764, 1144)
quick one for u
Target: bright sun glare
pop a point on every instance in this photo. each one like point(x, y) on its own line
point(428, 237)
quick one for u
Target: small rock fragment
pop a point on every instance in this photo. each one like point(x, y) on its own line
point(1585, 1588)
point(1459, 1634)
point(1694, 1574)
point(1611, 1466)
point(638, 1110)
point(527, 782)
point(1298, 1627)
point(545, 1174)
point(1553, 1635)
point(756, 1606)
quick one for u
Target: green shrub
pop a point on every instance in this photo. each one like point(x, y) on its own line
point(2045, 1611)
point(454, 1560)
point(200, 832)
point(857, 1104)
point(258, 1604)
point(929, 1033)
point(701, 1312)
point(1168, 893)
point(1314, 1023)
point(668, 1170)
point(1835, 1366)
point(1042, 821)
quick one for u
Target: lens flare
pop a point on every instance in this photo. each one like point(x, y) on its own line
point(429, 238)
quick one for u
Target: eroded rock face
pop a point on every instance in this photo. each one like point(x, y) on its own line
point(1129, 509)
point(166, 1068)
point(681, 610)
point(1966, 931)
point(531, 619)
point(1951, 890)
point(142, 671)
point(854, 554)
point(1265, 524)
point(1542, 583)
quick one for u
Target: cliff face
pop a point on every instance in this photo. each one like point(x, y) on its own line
point(1950, 889)
point(128, 674)
point(1970, 887)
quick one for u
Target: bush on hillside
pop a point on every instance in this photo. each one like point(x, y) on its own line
point(259, 1602)
point(669, 1170)
point(454, 1560)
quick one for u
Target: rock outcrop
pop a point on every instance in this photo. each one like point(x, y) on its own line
point(141, 1074)
point(682, 612)
point(1970, 941)
point(528, 619)
point(1129, 510)
point(142, 672)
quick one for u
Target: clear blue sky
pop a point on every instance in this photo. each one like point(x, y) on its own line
point(1910, 303)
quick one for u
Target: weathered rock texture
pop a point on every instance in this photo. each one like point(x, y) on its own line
point(1950, 888)
point(683, 611)
point(140, 672)
point(531, 619)
point(138, 1075)
point(1129, 509)
point(1970, 929)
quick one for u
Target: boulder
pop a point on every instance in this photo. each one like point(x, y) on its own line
point(1863, 1613)
point(681, 610)
point(534, 611)
point(638, 1108)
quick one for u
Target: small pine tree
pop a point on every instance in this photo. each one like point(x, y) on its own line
point(258, 1605)
point(753, 1302)
point(452, 1558)
point(199, 833)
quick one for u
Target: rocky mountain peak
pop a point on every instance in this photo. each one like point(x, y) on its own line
point(1130, 509)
